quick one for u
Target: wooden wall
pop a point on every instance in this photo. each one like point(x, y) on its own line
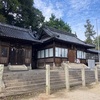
point(71, 57)
point(21, 52)
point(4, 59)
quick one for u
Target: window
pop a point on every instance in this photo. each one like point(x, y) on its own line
point(61, 52)
point(78, 54)
point(45, 53)
point(91, 56)
point(66, 52)
point(81, 54)
point(4, 51)
point(39, 54)
point(57, 52)
point(42, 53)
point(84, 55)
point(51, 52)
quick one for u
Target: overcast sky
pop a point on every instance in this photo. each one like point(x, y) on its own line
point(74, 12)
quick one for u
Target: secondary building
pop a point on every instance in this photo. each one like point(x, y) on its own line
point(16, 45)
point(93, 54)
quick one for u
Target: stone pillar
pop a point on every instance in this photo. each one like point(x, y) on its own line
point(48, 79)
point(67, 77)
point(83, 76)
point(66, 69)
point(2, 86)
point(54, 66)
point(96, 75)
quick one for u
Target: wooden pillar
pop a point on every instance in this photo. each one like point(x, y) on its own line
point(48, 79)
point(96, 74)
point(54, 52)
point(83, 76)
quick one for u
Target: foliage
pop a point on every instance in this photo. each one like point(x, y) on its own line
point(2, 19)
point(58, 24)
point(21, 13)
point(89, 33)
point(96, 40)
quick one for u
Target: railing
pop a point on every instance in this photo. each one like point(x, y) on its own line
point(2, 86)
point(69, 76)
point(49, 80)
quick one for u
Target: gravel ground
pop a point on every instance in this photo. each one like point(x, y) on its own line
point(78, 93)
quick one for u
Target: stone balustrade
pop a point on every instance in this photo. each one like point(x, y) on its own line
point(2, 86)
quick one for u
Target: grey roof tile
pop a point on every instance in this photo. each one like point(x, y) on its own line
point(16, 32)
point(64, 36)
point(93, 50)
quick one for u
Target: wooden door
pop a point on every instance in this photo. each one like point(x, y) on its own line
point(19, 57)
point(16, 56)
point(34, 59)
point(71, 56)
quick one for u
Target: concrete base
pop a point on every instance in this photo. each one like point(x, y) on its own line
point(17, 67)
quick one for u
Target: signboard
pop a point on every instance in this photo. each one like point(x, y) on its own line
point(91, 63)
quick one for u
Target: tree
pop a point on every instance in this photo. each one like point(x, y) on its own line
point(96, 40)
point(89, 33)
point(58, 24)
point(21, 13)
point(2, 19)
point(9, 10)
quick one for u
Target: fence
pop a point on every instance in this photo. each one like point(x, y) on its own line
point(68, 77)
point(49, 80)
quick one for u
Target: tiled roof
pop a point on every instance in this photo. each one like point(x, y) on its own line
point(93, 50)
point(64, 36)
point(16, 32)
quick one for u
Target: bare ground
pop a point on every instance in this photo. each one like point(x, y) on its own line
point(91, 92)
point(78, 93)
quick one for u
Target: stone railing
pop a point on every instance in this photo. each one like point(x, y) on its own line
point(2, 86)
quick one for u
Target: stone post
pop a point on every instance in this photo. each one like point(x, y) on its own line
point(83, 76)
point(2, 86)
point(30, 67)
point(54, 66)
point(48, 79)
point(66, 68)
point(96, 74)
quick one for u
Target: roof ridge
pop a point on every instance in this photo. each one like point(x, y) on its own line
point(53, 35)
point(14, 27)
point(60, 31)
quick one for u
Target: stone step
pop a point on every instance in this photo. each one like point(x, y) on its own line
point(9, 84)
point(21, 76)
point(24, 76)
point(24, 79)
point(35, 85)
point(15, 91)
point(60, 85)
point(17, 67)
point(24, 73)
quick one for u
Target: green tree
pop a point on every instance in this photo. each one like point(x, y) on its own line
point(8, 10)
point(96, 40)
point(21, 13)
point(2, 19)
point(89, 33)
point(58, 24)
